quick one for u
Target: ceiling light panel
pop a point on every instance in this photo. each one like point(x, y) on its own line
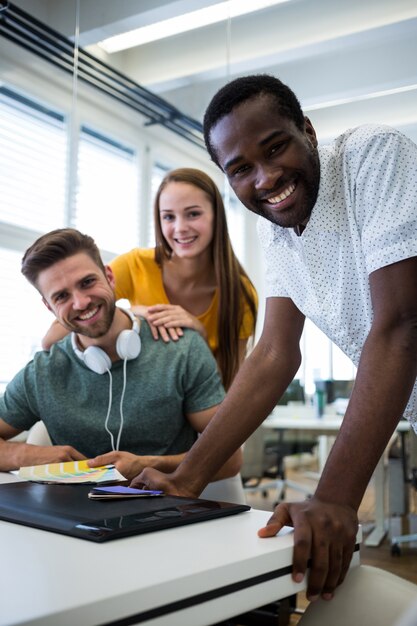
point(182, 23)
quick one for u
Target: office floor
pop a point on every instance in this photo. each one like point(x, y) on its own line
point(404, 565)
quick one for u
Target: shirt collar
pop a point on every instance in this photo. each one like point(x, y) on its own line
point(323, 218)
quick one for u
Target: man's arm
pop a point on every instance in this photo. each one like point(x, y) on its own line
point(262, 379)
point(385, 378)
point(325, 526)
point(232, 466)
point(14, 455)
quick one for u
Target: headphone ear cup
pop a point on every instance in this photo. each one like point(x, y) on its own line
point(128, 345)
point(96, 360)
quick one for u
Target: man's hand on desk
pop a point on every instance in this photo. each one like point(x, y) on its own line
point(28, 454)
point(324, 532)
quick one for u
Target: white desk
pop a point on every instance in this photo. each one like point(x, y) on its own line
point(194, 575)
point(303, 418)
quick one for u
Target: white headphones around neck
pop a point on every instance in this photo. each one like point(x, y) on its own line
point(128, 345)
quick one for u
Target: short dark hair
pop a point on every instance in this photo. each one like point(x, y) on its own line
point(245, 88)
point(55, 246)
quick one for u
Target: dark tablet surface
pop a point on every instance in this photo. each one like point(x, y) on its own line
point(66, 509)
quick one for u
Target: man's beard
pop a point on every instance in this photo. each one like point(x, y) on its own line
point(100, 328)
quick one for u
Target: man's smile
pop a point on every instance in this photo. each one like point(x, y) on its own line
point(87, 315)
point(283, 195)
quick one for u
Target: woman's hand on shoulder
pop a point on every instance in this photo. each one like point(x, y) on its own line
point(157, 329)
point(173, 318)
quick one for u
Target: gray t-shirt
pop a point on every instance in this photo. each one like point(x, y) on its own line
point(163, 384)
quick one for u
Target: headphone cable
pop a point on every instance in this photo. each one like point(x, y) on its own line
point(116, 447)
point(121, 404)
point(106, 422)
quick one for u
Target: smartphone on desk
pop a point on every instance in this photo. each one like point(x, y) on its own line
point(117, 491)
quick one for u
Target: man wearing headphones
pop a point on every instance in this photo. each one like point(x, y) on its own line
point(108, 391)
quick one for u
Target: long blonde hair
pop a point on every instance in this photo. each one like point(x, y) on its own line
point(230, 275)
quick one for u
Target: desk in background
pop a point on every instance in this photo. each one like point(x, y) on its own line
point(302, 418)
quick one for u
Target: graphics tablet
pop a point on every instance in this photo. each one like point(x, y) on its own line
point(66, 509)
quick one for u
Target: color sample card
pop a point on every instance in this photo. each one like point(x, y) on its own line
point(71, 472)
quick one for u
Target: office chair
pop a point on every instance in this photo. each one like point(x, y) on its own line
point(264, 453)
point(260, 461)
point(409, 478)
point(369, 595)
point(293, 393)
point(338, 389)
point(38, 435)
point(264, 458)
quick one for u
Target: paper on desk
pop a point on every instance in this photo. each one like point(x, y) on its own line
point(71, 472)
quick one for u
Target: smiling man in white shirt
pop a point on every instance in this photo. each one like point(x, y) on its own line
point(339, 229)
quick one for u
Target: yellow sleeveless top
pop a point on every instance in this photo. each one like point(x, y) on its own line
point(139, 279)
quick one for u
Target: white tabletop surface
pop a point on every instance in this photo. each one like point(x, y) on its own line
point(47, 579)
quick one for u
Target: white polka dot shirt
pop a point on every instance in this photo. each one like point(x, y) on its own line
point(365, 218)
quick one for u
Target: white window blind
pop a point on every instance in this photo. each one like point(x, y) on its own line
point(24, 318)
point(158, 173)
point(33, 159)
point(106, 203)
point(32, 163)
point(235, 214)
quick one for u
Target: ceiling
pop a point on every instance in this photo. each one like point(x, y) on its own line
point(348, 62)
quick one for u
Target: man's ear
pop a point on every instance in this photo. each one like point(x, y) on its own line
point(110, 276)
point(310, 132)
point(47, 304)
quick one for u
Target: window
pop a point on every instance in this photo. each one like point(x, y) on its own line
point(23, 310)
point(158, 173)
point(342, 366)
point(35, 174)
point(106, 203)
point(235, 214)
point(33, 148)
point(322, 360)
